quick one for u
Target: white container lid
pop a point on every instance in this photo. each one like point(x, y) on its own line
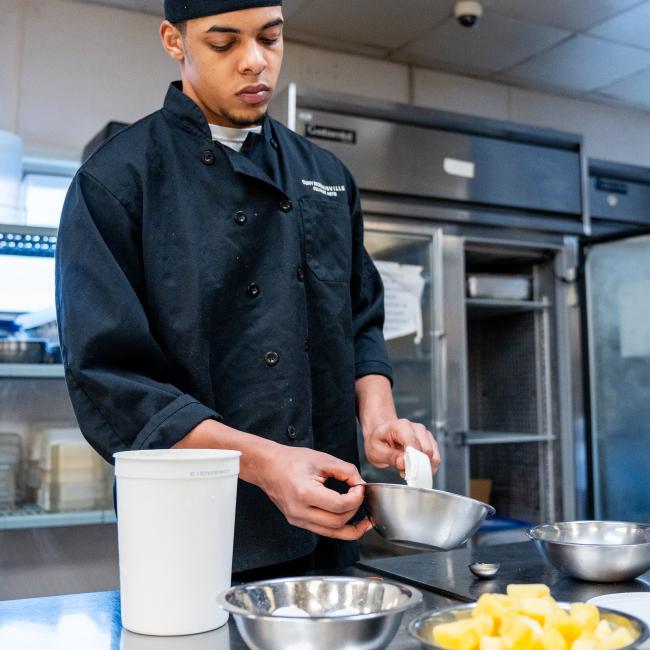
point(177, 463)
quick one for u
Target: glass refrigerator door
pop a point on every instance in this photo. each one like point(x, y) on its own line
point(618, 312)
point(405, 262)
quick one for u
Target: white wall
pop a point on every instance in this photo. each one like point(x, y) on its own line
point(78, 66)
point(66, 68)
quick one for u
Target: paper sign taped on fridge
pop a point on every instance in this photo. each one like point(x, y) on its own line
point(403, 288)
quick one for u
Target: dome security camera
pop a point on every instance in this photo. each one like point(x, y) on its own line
point(468, 12)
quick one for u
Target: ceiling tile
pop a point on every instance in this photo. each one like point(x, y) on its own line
point(499, 42)
point(631, 90)
point(574, 15)
point(631, 27)
point(383, 23)
point(325, 42)
point(582, 64)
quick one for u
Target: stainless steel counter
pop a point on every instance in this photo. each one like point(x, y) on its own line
point(92, 622)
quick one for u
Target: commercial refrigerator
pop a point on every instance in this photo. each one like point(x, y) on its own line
point(460, 203)
point(616, 290)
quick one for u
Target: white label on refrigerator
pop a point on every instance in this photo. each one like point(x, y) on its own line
point(634, 309)
point(403, 287)
point(455, 167)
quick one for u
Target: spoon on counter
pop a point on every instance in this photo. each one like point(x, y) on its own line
point(484, 570)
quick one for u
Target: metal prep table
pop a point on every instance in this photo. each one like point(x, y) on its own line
point(92, 620)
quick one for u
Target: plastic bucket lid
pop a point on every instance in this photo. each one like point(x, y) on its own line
point(177, 463)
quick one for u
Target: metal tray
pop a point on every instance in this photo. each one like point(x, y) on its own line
point(498, 287)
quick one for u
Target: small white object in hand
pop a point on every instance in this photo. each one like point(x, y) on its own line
point(292, 611)
point(418, 469)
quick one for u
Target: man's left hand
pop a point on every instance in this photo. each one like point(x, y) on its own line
point(385, 443)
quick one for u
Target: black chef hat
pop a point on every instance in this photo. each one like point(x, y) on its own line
point(177, 11)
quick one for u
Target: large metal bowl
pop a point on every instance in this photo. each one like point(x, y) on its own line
point(596, 551)
point(378, 606)
point(424, 519)
point(421, 628)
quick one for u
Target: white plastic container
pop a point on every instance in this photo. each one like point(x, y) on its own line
point(175, 521)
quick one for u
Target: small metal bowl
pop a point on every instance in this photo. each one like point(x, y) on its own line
point(421, 628)
point(380, 605)
point(484, 570)
point(423, 519)
point(596, 551)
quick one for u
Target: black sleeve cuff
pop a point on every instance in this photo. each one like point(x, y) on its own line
point(373, 368)
point(173, 423)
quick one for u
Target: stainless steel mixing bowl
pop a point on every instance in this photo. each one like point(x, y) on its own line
point(597, 551)
point(378, 606)
point(420, 518)
point(421, 628)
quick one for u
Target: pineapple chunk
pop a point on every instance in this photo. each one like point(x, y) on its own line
point(551, 639)
point(583, 644)
point(516, 633)
point(536, 608)
point(528, 591)
point(495, 605)
point(484, 625)
point(491, 643)
point(564, 624)
point(459, 635)
point(603, 630)
point(620, 638)
point(586, 615)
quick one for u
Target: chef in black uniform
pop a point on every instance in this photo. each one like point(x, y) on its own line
point(213, 291)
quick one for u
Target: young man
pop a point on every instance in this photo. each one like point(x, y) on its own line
point(208, 297)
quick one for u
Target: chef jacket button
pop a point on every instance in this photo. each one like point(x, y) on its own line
point(253, 290)
point(286, 206)
point(271, 358)
point(240, 218)
point(207, 157)
point(274, 143)
point(307, 345)
point(292, 434)
point(300, 274)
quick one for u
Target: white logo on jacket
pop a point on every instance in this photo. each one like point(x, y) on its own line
point(327, 190)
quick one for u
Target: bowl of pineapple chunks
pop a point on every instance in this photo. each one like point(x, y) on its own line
point(527, 617)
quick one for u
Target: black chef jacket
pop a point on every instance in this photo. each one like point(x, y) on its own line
point(196, 282)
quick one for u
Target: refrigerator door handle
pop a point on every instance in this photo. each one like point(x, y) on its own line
point(440, 341)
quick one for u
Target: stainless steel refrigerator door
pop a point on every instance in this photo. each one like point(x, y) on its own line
point(618, 319)
point(409, 262)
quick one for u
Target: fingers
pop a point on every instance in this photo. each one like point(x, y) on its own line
point(323, 509)
point(342, 471)
point(399, 434)
point(349, 532)
point(435, 458)
point(317, 505)
point(324, 519)
point(425, 439)
point(403, 434)
point(318, 496)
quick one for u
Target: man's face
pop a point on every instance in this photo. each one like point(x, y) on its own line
point(229, 62)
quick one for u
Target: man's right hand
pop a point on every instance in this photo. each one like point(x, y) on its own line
point(294, 479)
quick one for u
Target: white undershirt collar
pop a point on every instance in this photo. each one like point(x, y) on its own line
point(231, 137)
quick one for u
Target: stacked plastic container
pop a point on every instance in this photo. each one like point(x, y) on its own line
point(73, 476)
point(10, 457)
